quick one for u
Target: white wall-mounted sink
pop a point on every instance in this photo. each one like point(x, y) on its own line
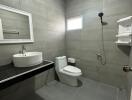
point(27, 59)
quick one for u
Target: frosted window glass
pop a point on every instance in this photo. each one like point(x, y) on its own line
point(74, 23)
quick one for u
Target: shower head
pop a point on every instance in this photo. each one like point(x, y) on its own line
point(100, 14)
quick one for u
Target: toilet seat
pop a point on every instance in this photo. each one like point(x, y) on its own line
point(71, 70)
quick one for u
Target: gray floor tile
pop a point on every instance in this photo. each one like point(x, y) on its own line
point(89, 90)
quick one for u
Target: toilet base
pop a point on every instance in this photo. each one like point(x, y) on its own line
point(67, 79)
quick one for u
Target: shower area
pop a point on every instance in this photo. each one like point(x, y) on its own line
point(93, 46)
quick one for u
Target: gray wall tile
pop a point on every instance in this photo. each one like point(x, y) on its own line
point(49, 33)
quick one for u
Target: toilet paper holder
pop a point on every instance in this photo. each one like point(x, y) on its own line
point(72, 61)
point(126, 68)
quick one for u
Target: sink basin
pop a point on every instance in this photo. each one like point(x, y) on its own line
point(27, 59)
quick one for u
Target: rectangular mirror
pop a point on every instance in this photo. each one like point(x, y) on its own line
point(15, 26)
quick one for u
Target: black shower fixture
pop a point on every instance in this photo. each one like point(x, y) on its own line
point(101, 14)
point(102, 55)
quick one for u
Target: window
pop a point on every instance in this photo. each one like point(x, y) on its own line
point(74, 23)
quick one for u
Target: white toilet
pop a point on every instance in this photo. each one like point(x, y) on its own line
point(66, 73)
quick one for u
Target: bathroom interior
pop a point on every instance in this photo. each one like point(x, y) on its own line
point(65, 49)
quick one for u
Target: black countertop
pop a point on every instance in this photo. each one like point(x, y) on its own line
point(9, 74)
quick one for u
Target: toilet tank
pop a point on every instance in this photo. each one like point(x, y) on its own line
point(60, 62)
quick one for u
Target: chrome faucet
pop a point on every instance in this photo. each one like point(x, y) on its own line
point(23, 50)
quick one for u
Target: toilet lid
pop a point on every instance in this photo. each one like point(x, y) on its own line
point(72, 69)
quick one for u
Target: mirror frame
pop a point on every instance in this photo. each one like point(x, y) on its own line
point(29, 15)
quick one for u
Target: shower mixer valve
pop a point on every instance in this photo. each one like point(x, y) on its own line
point(99, 55)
